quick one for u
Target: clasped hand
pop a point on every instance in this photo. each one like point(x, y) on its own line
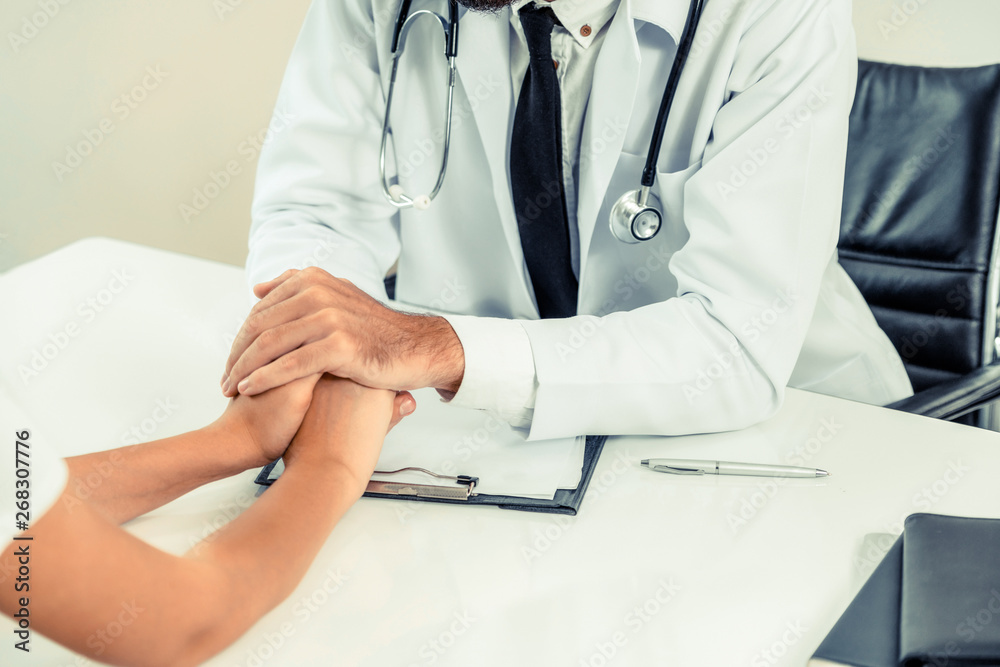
point(320, 418)
point(309, 322)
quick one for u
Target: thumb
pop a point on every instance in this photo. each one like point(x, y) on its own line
point(261, 290)
point(402, 405)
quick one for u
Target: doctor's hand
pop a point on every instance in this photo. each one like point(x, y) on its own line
point(310, 322)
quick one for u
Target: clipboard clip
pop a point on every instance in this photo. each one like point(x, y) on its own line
point(465, 485)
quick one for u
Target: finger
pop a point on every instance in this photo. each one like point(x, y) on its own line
point(263, 289)
point(298, 284)
point(294, 285)
point(259, 321)
point(275, 343)
point(300, 396)
point(284, 286)
point(404, 404)
point(289, 367)
point(308, 382)
point(249, 330)
point(313, 380)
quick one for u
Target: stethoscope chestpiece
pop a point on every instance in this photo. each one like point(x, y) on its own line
point(634, 217)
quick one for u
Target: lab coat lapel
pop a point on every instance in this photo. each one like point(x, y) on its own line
point(484, 69)
point(612, 99)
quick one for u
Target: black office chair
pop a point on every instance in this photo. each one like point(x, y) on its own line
point(919, 231)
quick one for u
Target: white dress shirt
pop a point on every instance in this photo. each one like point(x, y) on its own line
point(500, 369)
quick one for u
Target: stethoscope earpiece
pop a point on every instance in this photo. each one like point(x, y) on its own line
point(634, 217)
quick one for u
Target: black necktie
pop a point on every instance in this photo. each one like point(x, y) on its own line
point(536, 172)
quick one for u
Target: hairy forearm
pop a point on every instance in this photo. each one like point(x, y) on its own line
point(432, 341)
point(124, 483)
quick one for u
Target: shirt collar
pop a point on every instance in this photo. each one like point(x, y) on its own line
point(575, 14)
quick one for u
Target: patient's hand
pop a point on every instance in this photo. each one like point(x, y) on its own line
point(265, 423)
point(344, 429)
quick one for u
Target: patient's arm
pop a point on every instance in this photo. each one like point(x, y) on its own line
point(87, 573)
point(251, 433)
point(143, 477)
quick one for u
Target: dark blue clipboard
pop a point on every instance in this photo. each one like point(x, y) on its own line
point(566, 501)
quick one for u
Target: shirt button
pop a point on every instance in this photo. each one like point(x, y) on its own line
point(585, 31)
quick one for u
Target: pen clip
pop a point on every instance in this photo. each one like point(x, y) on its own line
point(677, 470)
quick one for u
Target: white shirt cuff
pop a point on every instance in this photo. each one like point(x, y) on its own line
point(499, 368)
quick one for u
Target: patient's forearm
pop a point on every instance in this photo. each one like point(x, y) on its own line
point(124, 483)
point(288, 525)
point(186, 608)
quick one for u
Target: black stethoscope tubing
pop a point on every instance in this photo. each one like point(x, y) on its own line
point(634, 217)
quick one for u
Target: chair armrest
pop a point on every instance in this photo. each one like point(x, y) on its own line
point(954, 398)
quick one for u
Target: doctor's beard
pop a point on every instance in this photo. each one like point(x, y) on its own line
point(485, 5)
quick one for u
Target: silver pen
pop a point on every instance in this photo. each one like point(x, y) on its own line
point(689, 467)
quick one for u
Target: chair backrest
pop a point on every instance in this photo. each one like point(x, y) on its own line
point(921, 209)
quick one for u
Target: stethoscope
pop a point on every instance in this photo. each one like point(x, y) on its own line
point(635, 217)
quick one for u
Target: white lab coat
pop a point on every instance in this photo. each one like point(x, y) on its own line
point(698, 330)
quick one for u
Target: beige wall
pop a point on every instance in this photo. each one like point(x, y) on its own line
point(943, 33)
point(221, 63)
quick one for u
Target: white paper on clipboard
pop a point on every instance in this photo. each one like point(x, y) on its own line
point(457, 441)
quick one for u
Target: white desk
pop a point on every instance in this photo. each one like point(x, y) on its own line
point(675, 571)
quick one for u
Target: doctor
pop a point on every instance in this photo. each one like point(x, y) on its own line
point(550, 319)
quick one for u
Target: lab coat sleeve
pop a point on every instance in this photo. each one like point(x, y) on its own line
point(763, 216)
point(318, 200)
point(499, 369)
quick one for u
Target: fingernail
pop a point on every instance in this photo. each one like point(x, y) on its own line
point(406, 408)
point(225, 386)
point(225, 376)
point(242, 386)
